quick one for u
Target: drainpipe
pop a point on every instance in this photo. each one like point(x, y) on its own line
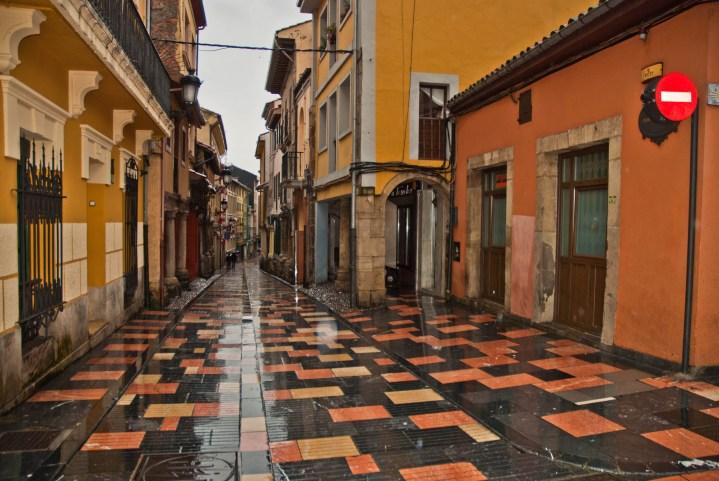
point(353, 218)
point(691, 240)
point(450, 233)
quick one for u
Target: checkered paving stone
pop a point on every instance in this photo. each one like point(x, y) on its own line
point(556, 397)
point(299, 394)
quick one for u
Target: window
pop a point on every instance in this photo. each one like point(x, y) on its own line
point(332, 30)
point(323, 31)
point(345, 7)
point(323, 127)
point(332, 132)
point(432, 108)
point(525, 107)
point(345, 107)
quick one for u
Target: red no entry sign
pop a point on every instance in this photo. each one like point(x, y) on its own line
point(676, 96)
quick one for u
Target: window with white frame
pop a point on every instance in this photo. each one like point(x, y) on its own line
point(332, 132)
point(432, 108)
point(323, 127)
point(345, 6)
point(345, 107)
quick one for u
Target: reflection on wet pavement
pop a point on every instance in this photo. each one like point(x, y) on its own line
point(258, 382)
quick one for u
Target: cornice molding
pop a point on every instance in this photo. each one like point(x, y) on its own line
point(121, 118)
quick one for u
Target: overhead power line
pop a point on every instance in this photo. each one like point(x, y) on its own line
point(250, 47)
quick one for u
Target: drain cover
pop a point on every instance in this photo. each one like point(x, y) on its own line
point(187, 467)
point(27, 440)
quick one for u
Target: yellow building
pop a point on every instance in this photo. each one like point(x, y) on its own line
point(77, 118)
point(379, 122)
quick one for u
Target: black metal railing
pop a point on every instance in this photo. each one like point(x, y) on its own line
point(291, 162)
point(123, 20)
point(39, 208)
point(130, 230)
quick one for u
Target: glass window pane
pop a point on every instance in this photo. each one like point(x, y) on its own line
point(593, 165)
point(486, 217)
point(499, 219)
point(591, 227)
point(564, 224)
point(565, 169)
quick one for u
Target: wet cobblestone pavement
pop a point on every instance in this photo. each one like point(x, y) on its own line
point(258, 382)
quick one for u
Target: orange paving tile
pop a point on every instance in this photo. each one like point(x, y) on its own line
point(441, 419)
point(438, 322)
point(130, 335)
point(573, 384)
point(361, 413)
point(390, 337)
point(443, 472)
point(513, 380)
point(522, 333)
point(712, 412)
point(363, 464)
point(487, 361)
point(97, 376)
point(558, 362)
point(114, 441)
point(583, 423)
point(146, 389)
point(350, 371)
point(55, 395)
point(457, 328)
point(277, 395)
point(285, 452)
point(192, 363)
point(305, 374)
point(703, 389)
point(685, 442)
point(423, 360)
point(572, 350)
point(589, 369)
point(282, 367)
point(170, 424)
point(399, 377)
point(459, 375)
point(256, 441)
point(384, 361)
point(126, 347)
point(111, 360)
point(401, 322)
point(327, 448)
point(304, 353)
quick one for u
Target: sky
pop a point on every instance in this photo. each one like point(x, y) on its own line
point(234, 80)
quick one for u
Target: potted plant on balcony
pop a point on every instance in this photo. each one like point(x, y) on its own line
point(331, 34)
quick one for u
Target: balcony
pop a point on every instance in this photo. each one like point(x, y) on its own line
point(291, 175)
point(123, 20)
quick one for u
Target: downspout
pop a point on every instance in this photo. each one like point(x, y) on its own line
point(353, 220)
point(691, 241)
point(450, 233)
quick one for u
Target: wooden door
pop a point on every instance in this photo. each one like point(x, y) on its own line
point(494, 233)
point(582, 241)
point(406, 246)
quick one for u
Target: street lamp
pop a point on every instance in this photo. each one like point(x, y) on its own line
point(190, 86)
point(226, 175)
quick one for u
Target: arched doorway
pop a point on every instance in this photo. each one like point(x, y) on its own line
point(416, 225)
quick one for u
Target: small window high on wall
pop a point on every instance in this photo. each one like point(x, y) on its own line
point(432, 109)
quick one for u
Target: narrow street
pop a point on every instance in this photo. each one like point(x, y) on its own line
point(256, 380)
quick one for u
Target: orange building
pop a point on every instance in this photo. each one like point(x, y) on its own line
point(566, 215)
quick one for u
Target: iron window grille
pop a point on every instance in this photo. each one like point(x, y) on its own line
point(432, 109)
point(39, 221)
point(130, 229)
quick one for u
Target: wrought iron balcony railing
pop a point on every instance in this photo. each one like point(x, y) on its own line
point(291, 164)
point(123, 20)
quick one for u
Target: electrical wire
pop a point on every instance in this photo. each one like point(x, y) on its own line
point(221, 46)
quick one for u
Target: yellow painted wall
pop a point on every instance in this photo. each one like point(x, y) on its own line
point(467, 38)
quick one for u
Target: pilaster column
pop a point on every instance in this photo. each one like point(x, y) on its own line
point(170, 253)
point(343, 269)
point(181, 266)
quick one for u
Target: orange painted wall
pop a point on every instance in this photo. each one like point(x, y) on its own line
point(654, 189)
